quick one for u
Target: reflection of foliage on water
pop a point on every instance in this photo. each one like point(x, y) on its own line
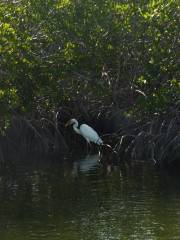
point(47, 198)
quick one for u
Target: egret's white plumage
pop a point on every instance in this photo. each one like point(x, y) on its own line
point(86, 131)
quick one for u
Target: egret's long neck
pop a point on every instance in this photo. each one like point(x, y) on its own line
point(75, 127)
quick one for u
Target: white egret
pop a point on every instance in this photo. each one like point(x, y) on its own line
point(86, 131)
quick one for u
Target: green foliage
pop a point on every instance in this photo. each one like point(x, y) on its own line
point(52, 51)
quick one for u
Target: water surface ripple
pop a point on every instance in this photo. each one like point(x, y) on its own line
point(83, 200)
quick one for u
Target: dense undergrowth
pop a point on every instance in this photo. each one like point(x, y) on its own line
point(111, 64)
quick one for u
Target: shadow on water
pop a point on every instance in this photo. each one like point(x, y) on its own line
point(79, 198)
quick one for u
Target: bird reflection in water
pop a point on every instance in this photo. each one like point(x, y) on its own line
point(86, 164)
point(105, 160)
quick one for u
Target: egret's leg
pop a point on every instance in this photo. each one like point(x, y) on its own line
point(88, 146)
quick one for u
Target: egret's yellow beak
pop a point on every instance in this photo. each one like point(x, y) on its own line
point(68, 123)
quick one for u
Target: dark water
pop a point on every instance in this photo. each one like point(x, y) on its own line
point(83, 200)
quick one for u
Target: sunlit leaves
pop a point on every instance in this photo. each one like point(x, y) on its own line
point(62, 4)
point(43, 44)
point(68, 51)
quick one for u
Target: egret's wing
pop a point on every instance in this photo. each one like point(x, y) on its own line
point(90, 134)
